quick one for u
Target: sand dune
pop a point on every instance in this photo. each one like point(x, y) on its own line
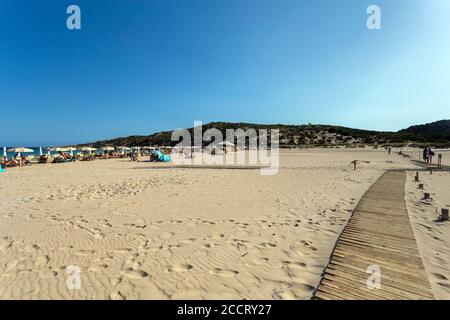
point(178, 233)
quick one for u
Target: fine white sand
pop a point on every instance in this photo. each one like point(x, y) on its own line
point(433, 237)
point(137, 231)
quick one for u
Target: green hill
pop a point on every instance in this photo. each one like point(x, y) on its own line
point(436, 134)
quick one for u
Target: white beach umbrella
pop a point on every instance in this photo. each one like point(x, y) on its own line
point(40, 151)
point(4, 153)
point(106, 149)
point(58, 149)
point(20, 150)
point(126, 149)
point(88, 149)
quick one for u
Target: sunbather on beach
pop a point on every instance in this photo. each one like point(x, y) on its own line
point(25, 161)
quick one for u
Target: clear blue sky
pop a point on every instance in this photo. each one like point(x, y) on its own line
point(140, 66)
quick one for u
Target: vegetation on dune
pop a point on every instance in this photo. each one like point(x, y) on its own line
point(436, 134)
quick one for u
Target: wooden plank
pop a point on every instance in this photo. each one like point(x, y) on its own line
point(381, 251)
point(349, 288)
point(320, 295)
point(395, 268)
point(388, 284)
point(385, 292)
point(378, 233)
point(358, 288)
point(380, 243)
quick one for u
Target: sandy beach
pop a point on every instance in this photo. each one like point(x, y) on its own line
point(433, 237)
point(139, 231)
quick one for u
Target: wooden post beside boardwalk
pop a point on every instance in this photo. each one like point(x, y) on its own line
point(376, 256)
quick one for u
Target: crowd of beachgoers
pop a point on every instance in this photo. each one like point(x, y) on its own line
point(25, 156)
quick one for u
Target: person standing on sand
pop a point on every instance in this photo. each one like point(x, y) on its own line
point(425, 154)
point(430, 155)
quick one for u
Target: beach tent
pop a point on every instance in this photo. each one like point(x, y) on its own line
point(20, 150)
point(161, 156)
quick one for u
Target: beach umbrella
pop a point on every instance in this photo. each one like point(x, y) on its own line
point(20, 150)
point(40, 151)
point(106, 149)
point(124, 150)
point(4, 153)
point(88, 149)
point(60, 149)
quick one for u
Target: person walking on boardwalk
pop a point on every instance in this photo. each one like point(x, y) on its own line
point(430, 155)
point(425, 154)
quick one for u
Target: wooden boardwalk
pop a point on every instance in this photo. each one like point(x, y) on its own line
point(378, 234)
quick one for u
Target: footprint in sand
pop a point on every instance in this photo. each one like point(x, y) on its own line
point(294, 264)
point(117, 295)
point(98, 268)
point(439, 276)
point(179, 267)
point(208, 245)
point(135, 274)
point(84, 252)
point(216, 236)
point(267, 245)
point(5, 245)
point(260, 261)
point(224, 272)
point(46, 274)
